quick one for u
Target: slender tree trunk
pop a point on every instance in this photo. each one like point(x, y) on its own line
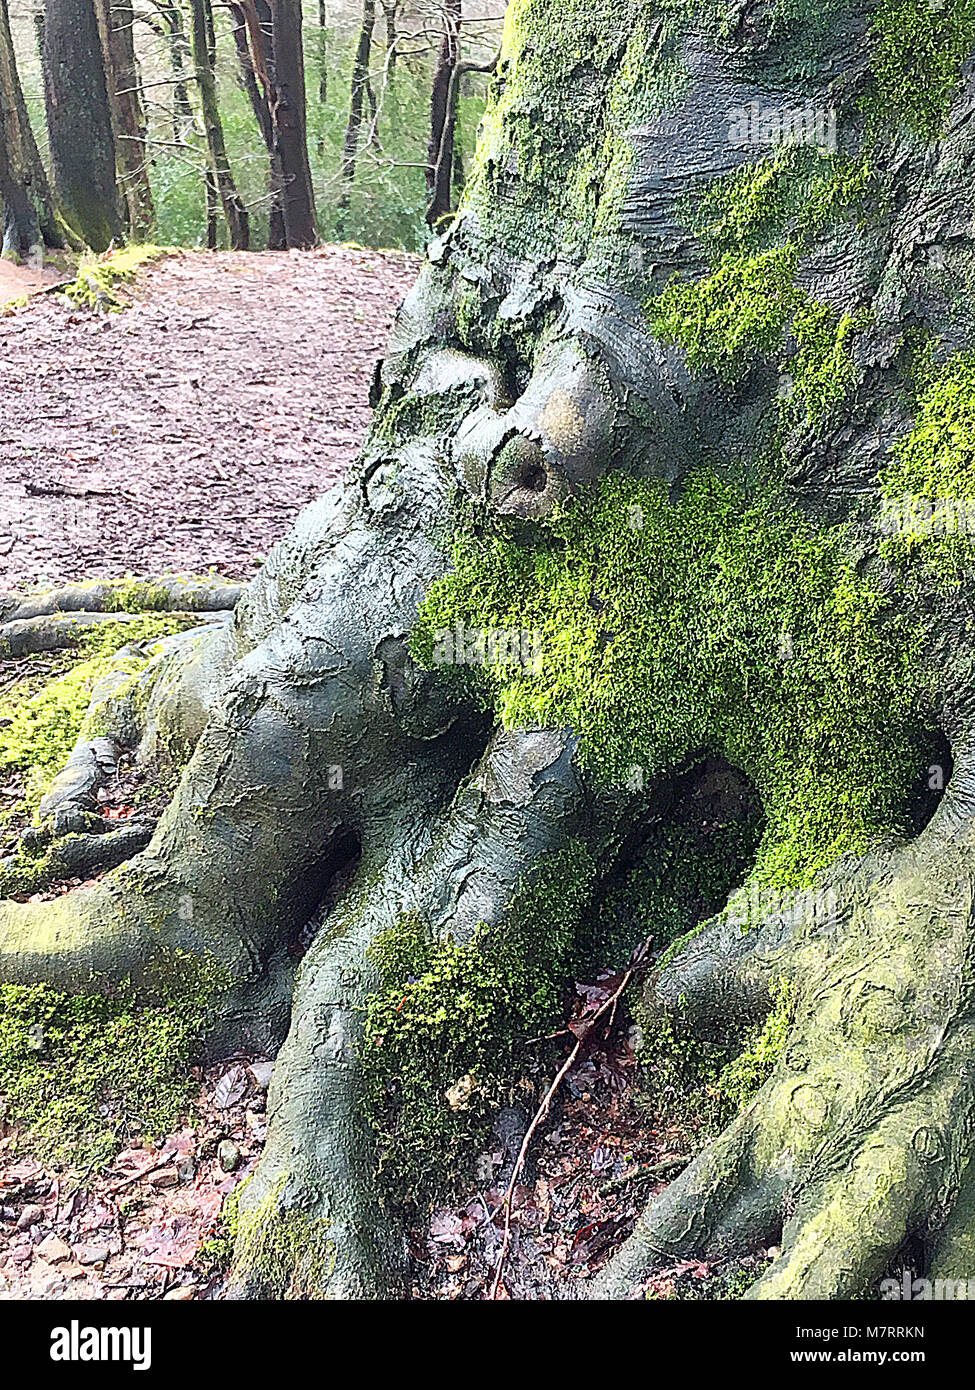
point(323, 35)
point(443, 116)
point(179, 59)
point(390, 9)
point(219, 173)
point(287, 104)
point(79, 122)
point(360, 79)
point(249, 30)
point(21, 231)
point(28, 203)
point(116, 20)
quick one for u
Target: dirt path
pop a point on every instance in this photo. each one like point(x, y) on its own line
point(187, 431)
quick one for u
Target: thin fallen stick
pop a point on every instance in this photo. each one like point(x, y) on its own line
point(636, 960)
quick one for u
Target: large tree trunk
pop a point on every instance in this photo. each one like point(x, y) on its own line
point(79, 122)
point(735, 360)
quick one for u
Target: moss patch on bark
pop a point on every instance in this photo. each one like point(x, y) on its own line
point(719, 623)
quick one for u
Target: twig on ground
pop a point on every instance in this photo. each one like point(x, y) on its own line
point(636, 961)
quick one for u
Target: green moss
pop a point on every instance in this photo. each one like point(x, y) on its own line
point(715, 623)
point(451, 1010)
point(682, 874)
point(292, 1251)
point(919, 48)
point(700, 1086)
point(97, 283)
point(743, 1077)
point(755, 223)
point(822, 368)
point(937, 458)
point(140, 596)
point(931, 468)
point(736, 314)
point(79, 1073)
point(39, 728)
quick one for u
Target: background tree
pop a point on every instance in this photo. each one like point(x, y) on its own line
point(116, 26)
point(79, 122)
point(220, 180)
point(360, 82)
point(30, 218)
point(287, 102)
point(246, 19)
point(443, 115)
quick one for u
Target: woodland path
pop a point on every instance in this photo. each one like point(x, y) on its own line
point(187, 431)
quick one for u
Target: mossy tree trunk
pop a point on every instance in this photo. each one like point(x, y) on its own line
point(637, 489)
point(79, 122)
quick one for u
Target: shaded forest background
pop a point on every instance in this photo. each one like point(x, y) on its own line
point(394, 92)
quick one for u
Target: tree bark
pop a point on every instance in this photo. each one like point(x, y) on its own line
point(30, 216)
point(252, 29)
point(116, 20)
point(390, 15)
point(360, 80)
point(650, 395)
point(323, 36)
point(443, 115)
point(79, 122)
point(287, 100)
point(219, 176)
point(179, 58)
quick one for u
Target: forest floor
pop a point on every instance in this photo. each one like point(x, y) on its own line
point(185, 433)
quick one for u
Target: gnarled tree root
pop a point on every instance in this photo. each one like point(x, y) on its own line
point(861, 1138)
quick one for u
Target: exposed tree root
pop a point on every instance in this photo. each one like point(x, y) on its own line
point(861, 1137)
